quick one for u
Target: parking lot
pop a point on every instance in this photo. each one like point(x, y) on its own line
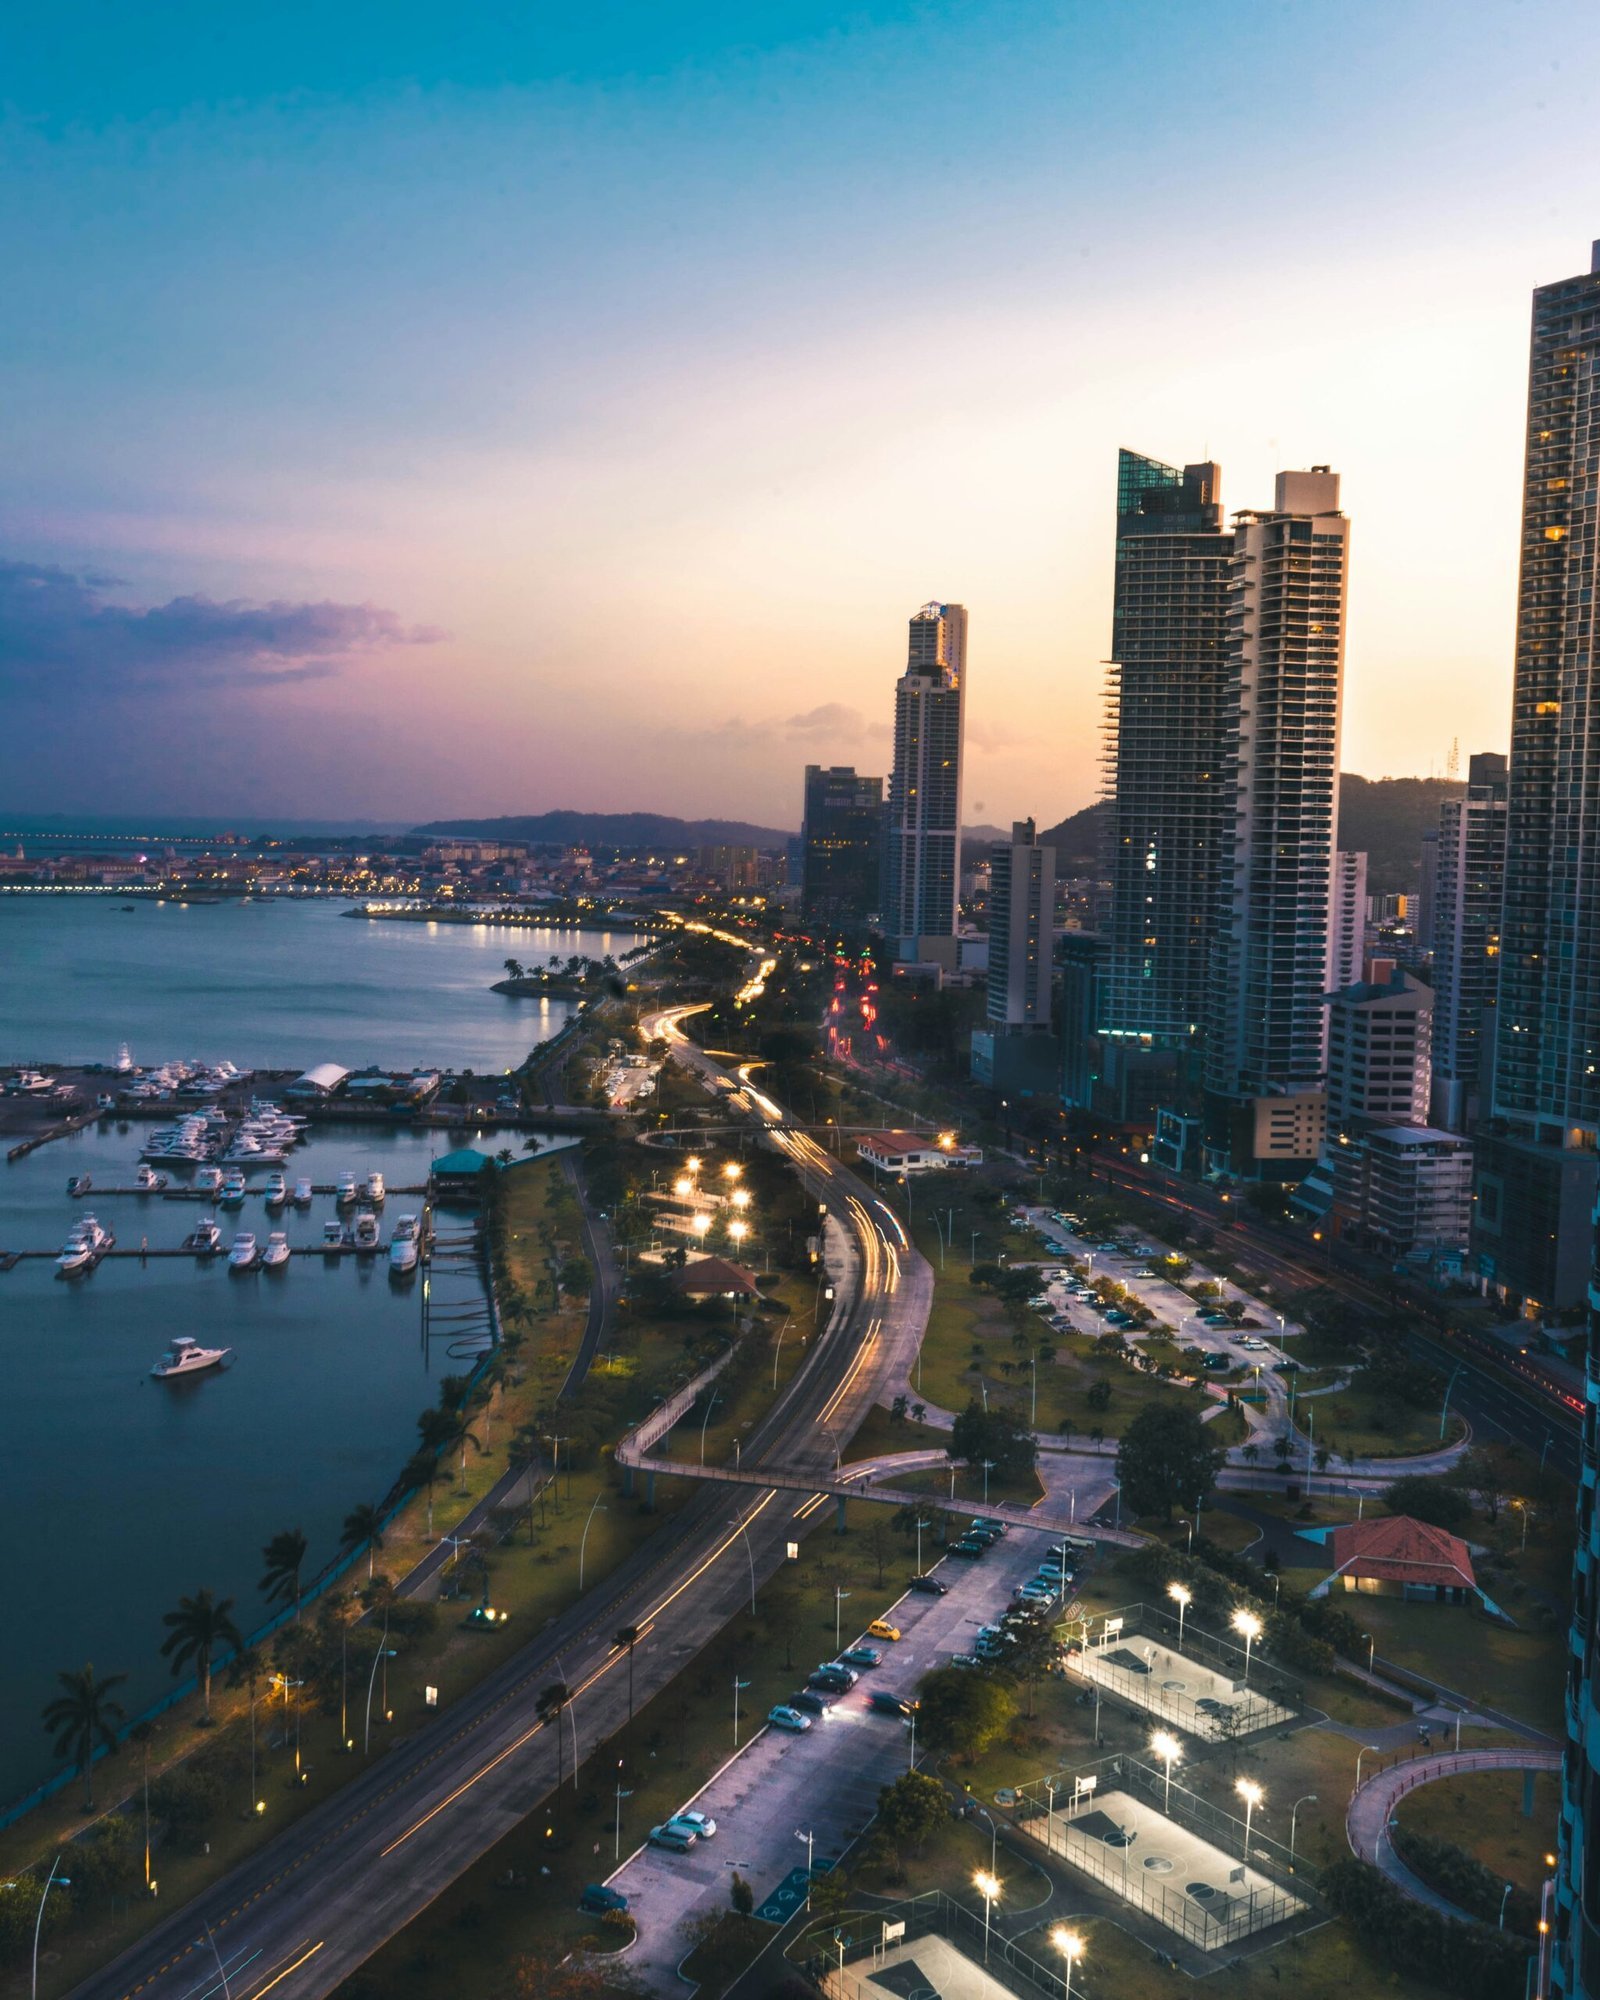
point(825, 1782)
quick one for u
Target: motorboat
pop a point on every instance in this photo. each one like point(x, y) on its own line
point(79, 1184)
point(347, 1189)
point(231, 1193)
point(373, 1189)
point(365, 1234)
point(188, 1357)
point(85, 1245)
point(403, 1247)
point(242, 1257)
point(302, 1192)
point(333, 1234)
point(276, 1254)
point(209, 1177)
point(148, 1181)
point(277, 1192)
point(205, 1239)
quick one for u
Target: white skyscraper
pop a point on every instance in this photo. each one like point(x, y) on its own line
point(1348, 928)
point(922, 838)
point(1022, 884)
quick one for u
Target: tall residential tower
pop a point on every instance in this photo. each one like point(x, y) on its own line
point(922, 834)
point(1466, 940)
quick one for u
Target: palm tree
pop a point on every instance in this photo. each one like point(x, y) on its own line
point(435, 1430)
point(284, 1555)
point(194, 1632)
point(461, 1435)
point(422, 1469)
point(549, 1707)
point(363, 1524)
point(628, 1635)
point(82, 1719)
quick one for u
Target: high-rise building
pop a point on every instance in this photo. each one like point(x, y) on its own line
point(1536, 1172)
point(1163, 758)
point(1022, 891)
point(1466, 940)
point(842, 845)
point(1347, 929)
point(922, 834)
point(1264, 1024)
point(1426, 909)
point(1379, 1040)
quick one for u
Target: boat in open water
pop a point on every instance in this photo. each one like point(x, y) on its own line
point(188, 1357)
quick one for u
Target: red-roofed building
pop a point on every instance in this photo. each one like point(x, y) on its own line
point(715, 1278)
point(1399, 1557)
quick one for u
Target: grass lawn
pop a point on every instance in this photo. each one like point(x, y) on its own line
point(1520, 1672)
point(1355, 1425)
point(1482, 1812)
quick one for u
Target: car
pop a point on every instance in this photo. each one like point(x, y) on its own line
point(676, 1839)
point(697, 1822)
point(861, 1656)
point(881, 1702)
point(597, 1899)
point(1255, 1345)
point(929, 1586)
point(809, 1700)
point(833, 1677)
point(990, 1525)
point(1037, 1593)
point(968, 1549)
point(784, 1717)
point(1221, 1362)
point(880, 1628)
point(965, 1660)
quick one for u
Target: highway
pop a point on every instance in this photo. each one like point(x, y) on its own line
point(308, 1909)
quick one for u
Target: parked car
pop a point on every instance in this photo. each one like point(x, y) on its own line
point(969, 1549)
point(990, 1525)
point(810, 1701)
point(929, 1586)
point(783, 1717)
point(832, 1678)
point(861, 1656)
point(880, 1628)
point(697, 1822)
point(597, 1899)
point(676, 1839)
point(883, 1703)
point(965, 1660)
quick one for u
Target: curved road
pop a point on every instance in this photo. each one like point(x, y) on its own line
point(303, 1913)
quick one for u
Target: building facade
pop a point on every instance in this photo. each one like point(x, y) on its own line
point(1537, 1158)
point(1288, 583)
point(1466, 941)
point(1575, 1956)
point(1380, 1041)
point(1164, 776)
point(1347, 926)
point(922, 830)
point(1022, 902)
point(841, 845)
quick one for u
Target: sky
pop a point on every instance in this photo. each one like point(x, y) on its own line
point(415, 411)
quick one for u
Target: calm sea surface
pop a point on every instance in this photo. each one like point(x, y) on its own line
point(120, 1493)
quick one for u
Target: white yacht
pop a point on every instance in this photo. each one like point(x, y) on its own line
point(205, 1239)
point(188, 1357)
point(403, 1247)
point(209, 1177)
point(333, 1234)
point(231, 1193)
point(242, 1257)
point(276, 1254)
point(365, 1234)
point(148, 1181)
point(84, 1246)
point(277, 1191)
point(302, 1192)
point(373, 1189)
point(347, 1189)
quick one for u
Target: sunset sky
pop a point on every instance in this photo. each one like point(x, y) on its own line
point(414, 410)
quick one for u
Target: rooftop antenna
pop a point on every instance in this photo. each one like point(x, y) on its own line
point(1452, 769)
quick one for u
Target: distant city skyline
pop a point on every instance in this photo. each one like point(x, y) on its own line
point(407, 424)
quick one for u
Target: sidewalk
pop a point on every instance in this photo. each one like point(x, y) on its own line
point(1373, 1807)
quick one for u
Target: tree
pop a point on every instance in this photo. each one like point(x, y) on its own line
point(1166, 1460)
point(284, 1557)
point(196, 1631)
point(461, 1435)
point(742, 1896)
point(979, 1434)
point(549, 1707)
point(1436, 1501)
point(1479, 1472)
point(912, 1810)
point(435, 1429)
point(963, 1711)
point(628, 1635)
point(363, 1525)
point(422, 1470)
point(82, 1719)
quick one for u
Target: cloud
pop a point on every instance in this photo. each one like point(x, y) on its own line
point(54, 623)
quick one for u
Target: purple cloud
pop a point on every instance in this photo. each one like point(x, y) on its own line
point(54, 623)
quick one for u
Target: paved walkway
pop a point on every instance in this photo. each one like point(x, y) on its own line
point(1374, 1805)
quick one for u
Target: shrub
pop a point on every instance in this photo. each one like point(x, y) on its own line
point(1470, 1961)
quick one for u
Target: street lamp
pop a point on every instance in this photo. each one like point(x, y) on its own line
point(1182, 1523)
point(583, 1542)
point(1252, 1794)
point(1362, 1753)
point(732, 1171)
point(682, 1185)
point(738, 1685)
point(1070, 1946)
point(988, 1887)
point(1247, 1623)
point(1180, 1595)
point(1168, 1749)
point(738, 1231)
point(50, 1882)
point(988, 1467)
point(700, 1224)
point(1310, 1799)
point(741, 1197)
point(839, 1596)
point(810, 1841)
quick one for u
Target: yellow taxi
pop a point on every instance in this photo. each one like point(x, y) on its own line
point(880, 1628)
